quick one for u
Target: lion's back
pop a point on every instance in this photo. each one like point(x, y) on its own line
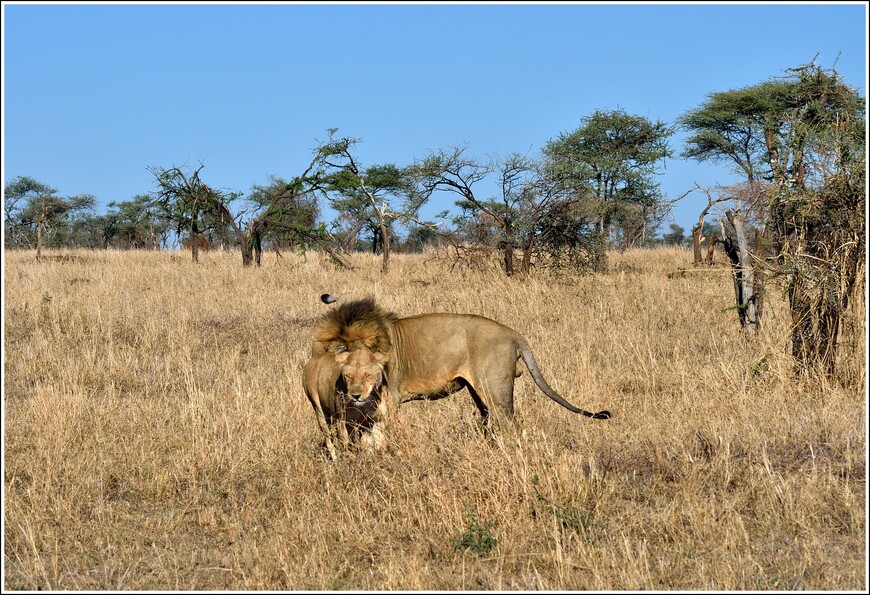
point(443, 331)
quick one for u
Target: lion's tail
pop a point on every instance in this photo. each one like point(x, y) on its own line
point(526, 353)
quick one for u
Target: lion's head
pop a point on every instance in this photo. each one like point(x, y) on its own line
point(362, 377)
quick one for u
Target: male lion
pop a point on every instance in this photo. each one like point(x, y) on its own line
point(347, 392)
point(430, 356)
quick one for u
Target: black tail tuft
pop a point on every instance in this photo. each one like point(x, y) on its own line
point(602, 415)
point(328, 299)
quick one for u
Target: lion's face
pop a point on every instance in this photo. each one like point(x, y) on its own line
point(362, 372)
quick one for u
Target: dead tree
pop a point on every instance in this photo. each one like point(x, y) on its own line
point(698, 229)
point(748, 278)
point(372, 185)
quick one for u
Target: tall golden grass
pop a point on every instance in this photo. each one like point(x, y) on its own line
point(157, 436)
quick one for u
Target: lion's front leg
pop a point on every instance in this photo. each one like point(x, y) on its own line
point(341, 430)
point(327, 443)
point(325, 430)
point(373, 438)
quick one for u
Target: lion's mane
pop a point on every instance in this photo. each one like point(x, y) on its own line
point(354, 325)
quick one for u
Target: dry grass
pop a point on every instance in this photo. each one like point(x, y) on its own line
point(157, 437)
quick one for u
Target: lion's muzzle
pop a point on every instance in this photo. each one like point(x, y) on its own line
point(358, 394)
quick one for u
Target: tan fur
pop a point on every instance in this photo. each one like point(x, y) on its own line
point(434, 355)
point(347, 392)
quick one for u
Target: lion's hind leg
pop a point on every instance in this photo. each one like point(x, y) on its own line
point(485, 417)
point(495, 404)
point(492, 388)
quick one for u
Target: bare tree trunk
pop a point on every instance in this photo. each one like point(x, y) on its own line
point(194, 237)
point(39, 224)
point(698, 229)
point(527, 254)
point(605, 231)
point(508, 248)
point(385, 242)
point(335, 257)
point(745, 282)
point(350, 245)
point(248, 238)
point(376, 239)
point(711, 249)
point(696, 244)
point(599, 260)
point(509, 258)
point(257, 239)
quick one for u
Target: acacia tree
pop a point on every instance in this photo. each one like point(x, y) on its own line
point(354, 215)
point(568, 234)
point(527, 196)
point(452, 171)
point(614, 157)
point(190, 203)
point(732, 128)
point(35, 216)
point(25, 203)
point(286, 213)
point(421, 237)
point(385, 189)
point(286, 210)
point(800, 142)
point(132, 224)
point(520, 215)
point(817, 207)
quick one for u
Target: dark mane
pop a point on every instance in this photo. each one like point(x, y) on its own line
point(360, 323)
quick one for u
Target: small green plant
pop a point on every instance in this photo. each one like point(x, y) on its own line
point(569, 517)
point(477, 538)
point(777, 582)
point(762, 367)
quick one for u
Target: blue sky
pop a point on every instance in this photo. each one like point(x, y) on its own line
point(95, 94)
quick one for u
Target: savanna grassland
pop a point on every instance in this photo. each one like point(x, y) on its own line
point(157, 436)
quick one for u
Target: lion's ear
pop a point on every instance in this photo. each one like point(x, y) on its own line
point(381, 357)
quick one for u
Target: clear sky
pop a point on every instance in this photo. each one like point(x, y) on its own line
point(94, 94)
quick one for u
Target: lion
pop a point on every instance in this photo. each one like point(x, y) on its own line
point(347, 391)
point(430, 356)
